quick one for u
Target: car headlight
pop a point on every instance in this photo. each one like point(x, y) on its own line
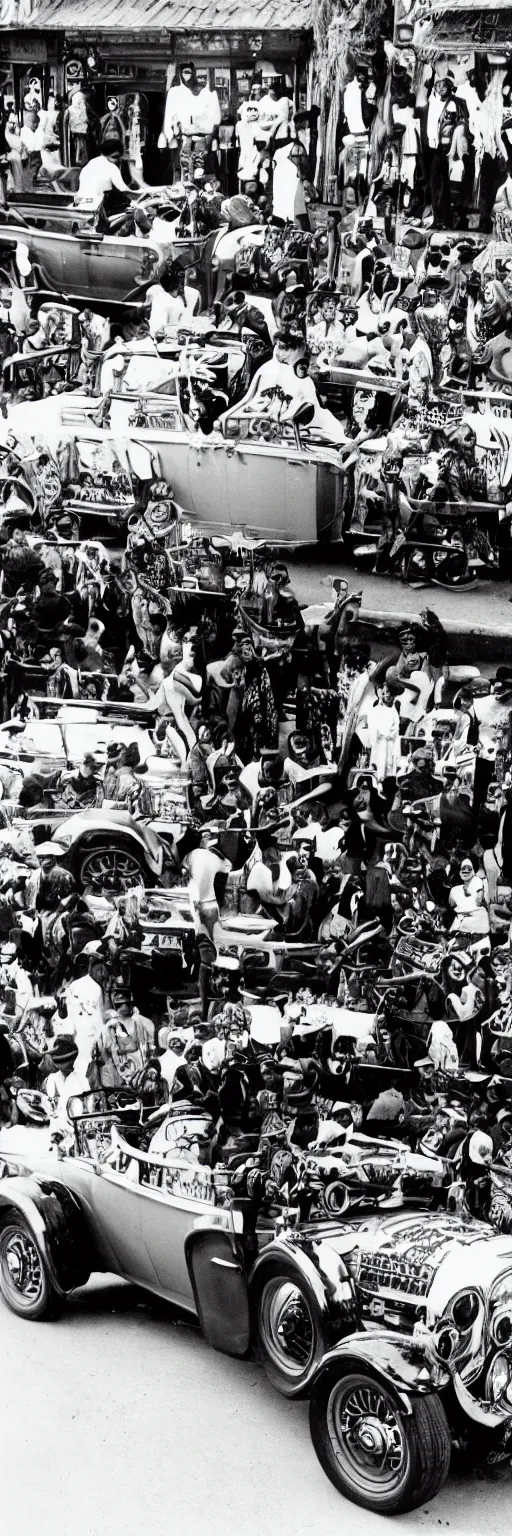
point(446, 1341)
point(501, 1329)
point(499, 1377)
point(465, 1310)
point(500, 1311)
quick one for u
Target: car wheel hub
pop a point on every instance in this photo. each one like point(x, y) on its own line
point(111, 869)
point(24, 1266)
point(287, 1326)
point(373, 1439)
point(366, 1435)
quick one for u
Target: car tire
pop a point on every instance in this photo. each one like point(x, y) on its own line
point(291, 1331)
point(386, 1460)
point(109, 867)
point(25, 1284)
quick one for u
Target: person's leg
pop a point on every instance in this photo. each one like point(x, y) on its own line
point(487, 193)
point(440, 190)
point(208, 914)
point(484, 772)
point(79, 141)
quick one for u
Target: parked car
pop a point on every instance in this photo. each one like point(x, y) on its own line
point(393, 1315)
point(45, 746)
point(276, 481)
point(109, 851)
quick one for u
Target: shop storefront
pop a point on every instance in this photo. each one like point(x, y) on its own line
point(125, 69)
point(457, 62)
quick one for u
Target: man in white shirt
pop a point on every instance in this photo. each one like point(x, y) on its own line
point(204, 865)
point(102, 174)
point(246, 135)
point(434, 112)
point(469, 899)
point(274, 117)
point(171, 302)
point(326, 839)
point(67, 1079)
point(84, 1009)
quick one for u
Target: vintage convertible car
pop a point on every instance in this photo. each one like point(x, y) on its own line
point(73, 261)
point(274, 480)
point(72, 258)
point(393, 1315)
point(108, 850)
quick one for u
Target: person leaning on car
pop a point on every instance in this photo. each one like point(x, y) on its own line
point(102, 175)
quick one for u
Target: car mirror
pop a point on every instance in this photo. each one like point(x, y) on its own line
point(304, 415)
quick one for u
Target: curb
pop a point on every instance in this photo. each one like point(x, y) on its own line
point(487, 643)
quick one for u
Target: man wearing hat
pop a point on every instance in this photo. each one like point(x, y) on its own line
point(493, 713)
point(420, 781)
point(469, 899)
point(51, 608)
point(84, 1002)
point(68, 1078)
point(80, 787)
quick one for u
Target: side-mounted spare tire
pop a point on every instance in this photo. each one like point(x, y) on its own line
point(109, 866)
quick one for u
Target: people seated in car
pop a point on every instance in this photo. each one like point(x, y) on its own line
point(172, 301)
point(278, 392)
point(124, 1045)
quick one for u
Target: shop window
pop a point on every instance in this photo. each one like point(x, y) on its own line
point(222, 85)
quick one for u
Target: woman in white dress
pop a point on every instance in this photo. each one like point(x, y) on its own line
point(384, 734)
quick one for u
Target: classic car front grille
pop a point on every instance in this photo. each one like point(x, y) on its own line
point(381, 1275)
point(417, 952)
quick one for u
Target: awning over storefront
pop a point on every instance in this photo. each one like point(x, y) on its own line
point(168, 15)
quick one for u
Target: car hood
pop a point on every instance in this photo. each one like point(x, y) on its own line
point(426, 1257)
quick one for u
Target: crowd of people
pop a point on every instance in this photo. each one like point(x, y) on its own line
point(396, 355)
point(215, 806)
point(52, 140)
point(337, 822)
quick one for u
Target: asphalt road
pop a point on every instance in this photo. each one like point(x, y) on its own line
point(120, 1421)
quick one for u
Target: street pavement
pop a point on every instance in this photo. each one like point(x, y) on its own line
point(118, 1420)
point(490, 604)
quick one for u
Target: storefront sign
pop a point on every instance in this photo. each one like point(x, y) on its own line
point(27, 50)
point(208, 43)
point(202, 42)
point(74, 72)
point(453, 29)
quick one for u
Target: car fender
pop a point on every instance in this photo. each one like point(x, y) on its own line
point(82, 829)
point(322, 1267)
point(395, 1359)
point(216, 1266)
point(56, 1222)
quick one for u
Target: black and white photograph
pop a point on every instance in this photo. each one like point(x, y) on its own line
point(256, 767)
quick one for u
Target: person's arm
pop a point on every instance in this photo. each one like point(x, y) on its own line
point(235, 410)
point(118, 182)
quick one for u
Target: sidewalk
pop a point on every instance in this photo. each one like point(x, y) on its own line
point(479, 622)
